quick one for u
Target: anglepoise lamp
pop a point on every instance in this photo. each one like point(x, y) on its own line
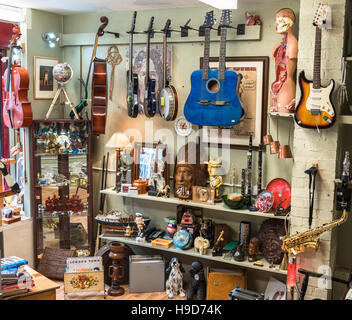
point(118, 141)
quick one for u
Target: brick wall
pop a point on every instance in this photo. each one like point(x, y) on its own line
point(311, 146)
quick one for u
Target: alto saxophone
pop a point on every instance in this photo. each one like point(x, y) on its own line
point(310, 239)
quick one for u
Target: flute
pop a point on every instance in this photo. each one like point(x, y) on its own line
point(249, 168)
point(260, 171)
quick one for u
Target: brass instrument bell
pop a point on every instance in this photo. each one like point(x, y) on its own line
point(274, 147)
point(285, 152)
point(268, 139)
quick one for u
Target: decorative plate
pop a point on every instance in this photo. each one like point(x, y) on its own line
point(265, 201)
point(183, 127)
point(281, 190)
point(182, 239)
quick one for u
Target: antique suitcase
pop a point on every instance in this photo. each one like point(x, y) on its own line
point(221, 281)
point(147, 273)
point(243, 294)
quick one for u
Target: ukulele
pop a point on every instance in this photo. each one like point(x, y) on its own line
point(213, 99)
point(168, 99)
point(132, 78)
point(315, 108)
point(17, 110)
point(83, 102)
point(150, 103)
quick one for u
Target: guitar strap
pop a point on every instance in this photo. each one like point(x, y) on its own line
point(312, 172)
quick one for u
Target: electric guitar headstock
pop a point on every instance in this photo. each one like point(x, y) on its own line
point(150, 28)
point(225, 19)
point(209, 20)
point(133, 22)
point(321, 15)
point(167, 26)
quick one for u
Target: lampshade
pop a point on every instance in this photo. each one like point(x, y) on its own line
point(118, 141)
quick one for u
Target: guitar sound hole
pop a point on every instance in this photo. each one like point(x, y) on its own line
point(213, 85)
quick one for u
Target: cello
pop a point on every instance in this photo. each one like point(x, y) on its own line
point(99, 86)
point(17, 110)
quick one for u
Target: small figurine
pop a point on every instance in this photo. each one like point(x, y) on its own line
point(214, 177)
point(253, 249)
point(140, 225)
point(252, 19)
point(207, 231)
point(217, 251)
point(128, 231)
point(174, 284)
point(201, 245)
point(239, 254)
point(197, 283)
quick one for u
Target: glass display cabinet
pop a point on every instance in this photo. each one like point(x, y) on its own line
point(62, 185)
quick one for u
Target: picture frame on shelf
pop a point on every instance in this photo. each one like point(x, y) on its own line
point(144, 160)
point(204, 195)
point(44, 85)
point(253, 92)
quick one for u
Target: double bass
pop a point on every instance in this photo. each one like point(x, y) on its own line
point(99, 87)
point(17, 110)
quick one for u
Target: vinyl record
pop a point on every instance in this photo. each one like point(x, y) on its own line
point(281, 190)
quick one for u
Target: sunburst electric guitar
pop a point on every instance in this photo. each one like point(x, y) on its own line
point(315, 109)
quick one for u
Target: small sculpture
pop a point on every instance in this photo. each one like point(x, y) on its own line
point(128, 231)
point(239, 254)
point(197, 283)
point(140, 225)
point(215, 179)
point(253, 249)
point(217, 250)
point(252, 19)
point(283, 89)
point(207, 231)
point(201, 245)
point(174, 284)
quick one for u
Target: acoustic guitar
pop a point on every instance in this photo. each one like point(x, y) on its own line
point(168, 99)
point(315, 109)
point(213, 99)
point(132, 78)
point(150, 103)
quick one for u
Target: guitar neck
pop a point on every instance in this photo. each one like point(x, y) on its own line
point(147, 61)
point(165, 61)
point(317, 59)
point(222, 56)
point(9, 71)
point(131, 57)
point(206, 54)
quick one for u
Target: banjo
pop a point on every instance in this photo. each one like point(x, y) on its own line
point(168, 100)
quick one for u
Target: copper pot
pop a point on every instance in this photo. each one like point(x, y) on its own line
point(268, 139)
point(274, 147)
point(285, 152)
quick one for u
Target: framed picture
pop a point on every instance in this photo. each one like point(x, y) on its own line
point(44, 84)
point(253, 93)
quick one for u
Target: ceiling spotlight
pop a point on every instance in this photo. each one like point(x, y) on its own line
point(221, 4)
point(51, 38)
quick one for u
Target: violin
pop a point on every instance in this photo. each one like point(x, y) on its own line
point(17, 110)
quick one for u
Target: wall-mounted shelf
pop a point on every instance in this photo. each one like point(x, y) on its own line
point(173, 200)
point(281, 115)
point(345, 119)
point(192, 253)
point(87, 39)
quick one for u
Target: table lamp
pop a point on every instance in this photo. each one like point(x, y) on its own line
point(118, 141)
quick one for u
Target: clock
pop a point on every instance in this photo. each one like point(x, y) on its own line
point(183, 127)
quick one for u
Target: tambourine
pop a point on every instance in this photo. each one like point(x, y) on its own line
point(265, 201)
point(182, 239)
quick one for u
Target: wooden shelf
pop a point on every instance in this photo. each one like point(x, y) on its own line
point(282, 115)
point(345, 119)
point(173, 200)
point(191, 252)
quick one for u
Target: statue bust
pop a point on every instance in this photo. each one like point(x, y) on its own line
point(283, 89)
point(187, 172)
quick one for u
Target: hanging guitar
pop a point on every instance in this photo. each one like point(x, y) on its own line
point(213, 98)
point(132, 86)
point(150, 103)
point(315, 109)
point(17, 110)
point(168, 99)
point(83, 102)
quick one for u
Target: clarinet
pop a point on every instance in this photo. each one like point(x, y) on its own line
point(260, 172)
point(243, 182)
point(249, 169)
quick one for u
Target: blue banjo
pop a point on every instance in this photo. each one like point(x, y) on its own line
point(213, 98)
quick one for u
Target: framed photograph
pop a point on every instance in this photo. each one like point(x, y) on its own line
point(44, 84)
point(253, 93)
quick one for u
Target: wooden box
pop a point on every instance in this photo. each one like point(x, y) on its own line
point(220, 282)
point(89, 281)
